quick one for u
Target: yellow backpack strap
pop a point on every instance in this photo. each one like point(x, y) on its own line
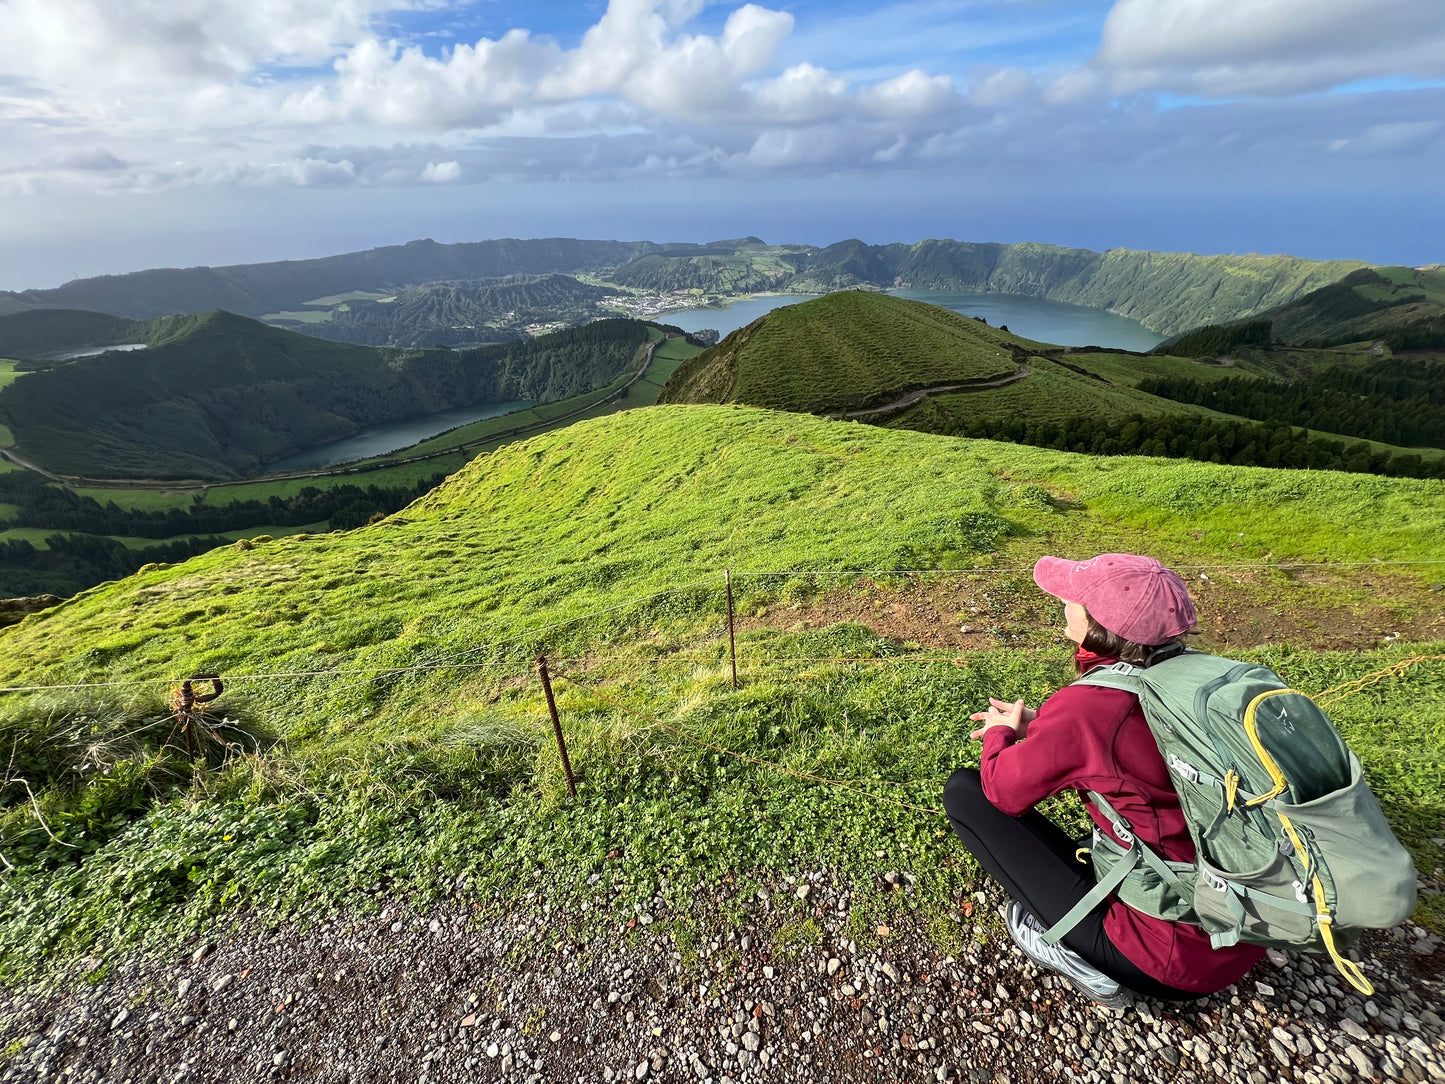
point(1350, 970)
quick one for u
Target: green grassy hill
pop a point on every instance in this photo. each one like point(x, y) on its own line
point(913, 366)
point(405, 745)
point(849, 350)
point(642, 500)
point(220, 396)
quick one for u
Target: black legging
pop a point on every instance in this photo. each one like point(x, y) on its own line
point(1034, 861)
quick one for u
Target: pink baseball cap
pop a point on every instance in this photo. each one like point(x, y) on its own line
point(1135, 597)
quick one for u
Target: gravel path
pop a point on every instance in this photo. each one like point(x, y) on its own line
point(779, 993)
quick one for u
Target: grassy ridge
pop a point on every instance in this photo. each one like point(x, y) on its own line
point(642, 500)
point(415, 779)
point(1051, 392)
point(848, 350)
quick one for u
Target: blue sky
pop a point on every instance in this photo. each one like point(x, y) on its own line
point(137, 133)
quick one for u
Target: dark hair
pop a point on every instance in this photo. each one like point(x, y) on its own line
point(1111, 645)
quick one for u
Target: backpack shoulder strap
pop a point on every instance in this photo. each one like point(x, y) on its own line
point(1138, 851)
point(1119, 675)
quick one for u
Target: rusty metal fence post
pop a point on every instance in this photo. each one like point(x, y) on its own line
point(732, 630)
point(183, 704)
point(556, 724)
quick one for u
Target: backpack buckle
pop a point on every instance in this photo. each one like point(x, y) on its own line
point(1184, 768)
point(1121, 829)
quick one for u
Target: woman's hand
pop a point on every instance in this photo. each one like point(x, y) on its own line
point(1001, 713)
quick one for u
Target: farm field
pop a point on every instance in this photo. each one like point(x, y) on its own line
point(300, 316)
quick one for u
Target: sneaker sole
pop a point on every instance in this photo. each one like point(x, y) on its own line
point(1122, 1000)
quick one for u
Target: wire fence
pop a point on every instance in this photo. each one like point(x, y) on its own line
point(198, 729)
point(459, 660)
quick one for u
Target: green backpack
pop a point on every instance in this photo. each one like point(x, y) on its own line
point(1293, 850)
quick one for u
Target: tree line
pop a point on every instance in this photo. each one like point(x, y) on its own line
point(42, 504)
point(1218, 339)
point(1208, 440)
point(73, 562)
point(1389, 402)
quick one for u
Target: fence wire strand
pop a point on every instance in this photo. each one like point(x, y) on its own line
point(456, 661)
point(652, 719)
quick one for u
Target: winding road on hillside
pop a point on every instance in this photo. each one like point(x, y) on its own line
point(914, 397)
point(27, 465)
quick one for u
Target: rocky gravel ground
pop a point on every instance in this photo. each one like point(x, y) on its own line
point(766, 985)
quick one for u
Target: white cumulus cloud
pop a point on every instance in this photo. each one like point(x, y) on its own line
point(442, 172)
point(1235, 47)
point(91, 43)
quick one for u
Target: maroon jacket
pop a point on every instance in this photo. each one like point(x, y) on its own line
point(1090, 738)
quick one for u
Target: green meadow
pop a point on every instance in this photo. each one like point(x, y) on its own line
point(409, 747)
point(845, 351)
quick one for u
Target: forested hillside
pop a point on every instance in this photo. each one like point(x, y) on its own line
point(38, 332)
point(221, 396)
point(1386, 401)
point(1402, 308)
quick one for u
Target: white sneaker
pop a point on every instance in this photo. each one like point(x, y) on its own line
point(1028, 934)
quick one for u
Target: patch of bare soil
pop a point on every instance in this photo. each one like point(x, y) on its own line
point(968, 613)
point(1349, 609)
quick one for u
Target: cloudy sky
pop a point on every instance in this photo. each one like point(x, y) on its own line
point(137, 133)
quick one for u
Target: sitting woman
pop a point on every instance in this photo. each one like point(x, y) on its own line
point(1117, 608)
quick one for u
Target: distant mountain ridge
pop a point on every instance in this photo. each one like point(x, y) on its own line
point(259, 288)
point(1166, 292)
